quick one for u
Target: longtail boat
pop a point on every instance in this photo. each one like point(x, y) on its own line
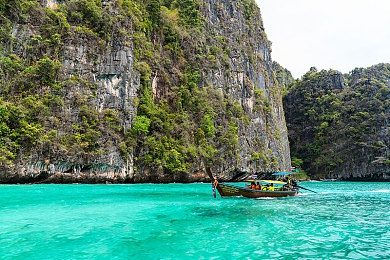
point(264, 188)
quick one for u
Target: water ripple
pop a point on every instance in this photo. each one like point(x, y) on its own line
point(342, 221)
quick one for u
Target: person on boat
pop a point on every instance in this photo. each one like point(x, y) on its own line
point(294, 182)
point(288, 182)
point(287, 186)
point(253, 185)
point(258, 186)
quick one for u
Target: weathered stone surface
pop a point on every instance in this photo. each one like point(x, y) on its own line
point(244, 75)
point(249, 70)
point(339, 124)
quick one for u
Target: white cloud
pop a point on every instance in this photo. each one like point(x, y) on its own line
point(332, 34)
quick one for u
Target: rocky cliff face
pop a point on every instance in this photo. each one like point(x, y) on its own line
point(338, 124)
point(247, 77)
point(102, 126)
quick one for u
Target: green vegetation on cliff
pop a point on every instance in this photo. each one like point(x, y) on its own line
point(338, 124)
point(33, 90)
point(49, 115)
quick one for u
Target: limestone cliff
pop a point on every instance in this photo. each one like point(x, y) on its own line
point(128, 91)
point(338, 124)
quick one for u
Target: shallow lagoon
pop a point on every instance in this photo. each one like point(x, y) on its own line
point(345, 220)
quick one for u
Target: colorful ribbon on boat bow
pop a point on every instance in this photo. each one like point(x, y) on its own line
point(214, 185)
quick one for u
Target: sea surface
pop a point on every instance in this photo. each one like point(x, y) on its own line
point(343, 220)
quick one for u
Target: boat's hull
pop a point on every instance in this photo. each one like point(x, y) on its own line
point(226, 190)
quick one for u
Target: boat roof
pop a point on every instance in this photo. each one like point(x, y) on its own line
point(281, 173)
point(269, 181)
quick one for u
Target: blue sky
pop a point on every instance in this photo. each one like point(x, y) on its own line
point(331, 34)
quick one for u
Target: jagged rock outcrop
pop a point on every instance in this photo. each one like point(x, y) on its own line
point(247, 77)
point(104, 76)
point(338, 124)
point(283, 75)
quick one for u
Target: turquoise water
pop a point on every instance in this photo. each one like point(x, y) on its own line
point(183, 221)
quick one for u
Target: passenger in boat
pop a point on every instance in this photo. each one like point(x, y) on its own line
point(253, 185)
point(294, 182)
point(288, 181)
point(258, 186)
